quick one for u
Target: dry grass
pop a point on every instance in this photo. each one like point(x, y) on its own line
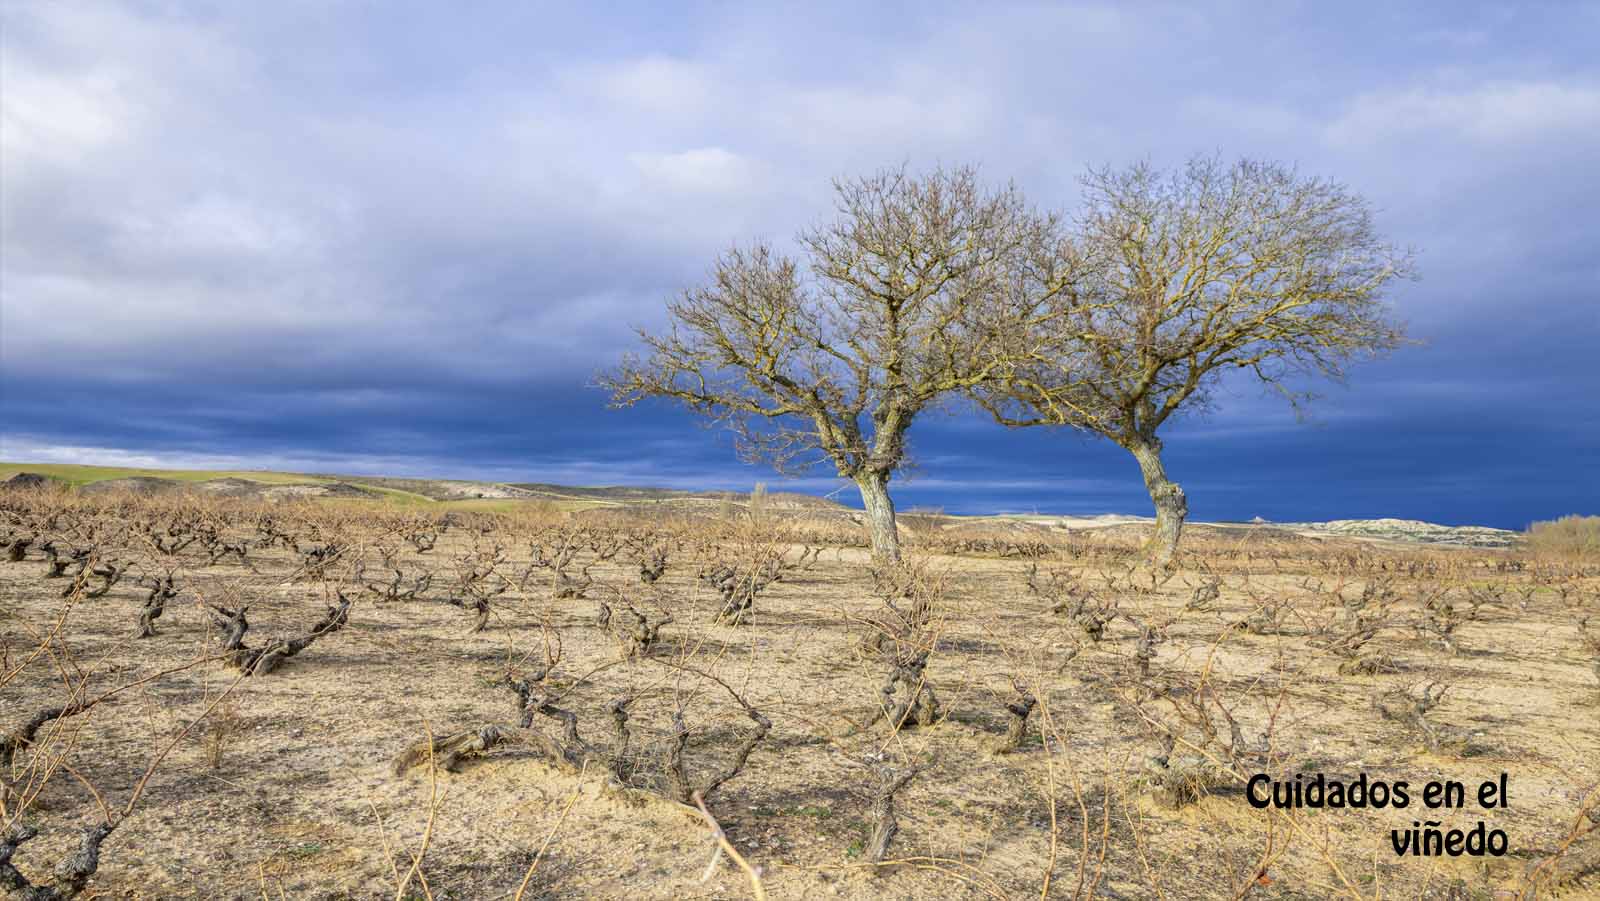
point(1570, 537)
point(285, 783)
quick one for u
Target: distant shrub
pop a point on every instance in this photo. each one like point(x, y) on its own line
point(1569, 536)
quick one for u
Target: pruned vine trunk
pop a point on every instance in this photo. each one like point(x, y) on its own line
point(882, 815)
point(1020, 707)
point(263, 660)
point(17, 550)
point(71, 874)
point(449, 751)
point(919, 706)
point(680, 787)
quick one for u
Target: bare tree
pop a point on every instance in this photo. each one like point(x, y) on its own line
point(834, 361)
point(1181, 277)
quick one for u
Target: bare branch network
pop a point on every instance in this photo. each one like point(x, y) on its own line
point(931, 289)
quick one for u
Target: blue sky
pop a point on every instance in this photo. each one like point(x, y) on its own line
point(400, 239)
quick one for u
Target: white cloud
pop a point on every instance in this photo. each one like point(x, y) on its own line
point(1507, 112)
point(654, 84)
point(214, 225)
point(711, 170)
point(45, 117)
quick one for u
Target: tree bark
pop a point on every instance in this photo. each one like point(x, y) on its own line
point(1172, 507)
point(880, 515)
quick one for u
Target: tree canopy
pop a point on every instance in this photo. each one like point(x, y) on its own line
point(1177, 278)
point(898, 306)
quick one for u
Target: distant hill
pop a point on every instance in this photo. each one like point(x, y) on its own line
point(453, 493)
point(481, 495)
point(612, 493)
point(1408, 530)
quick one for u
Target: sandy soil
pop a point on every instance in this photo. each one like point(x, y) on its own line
point(301, 801)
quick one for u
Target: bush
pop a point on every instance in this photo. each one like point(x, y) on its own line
point(1569, 536)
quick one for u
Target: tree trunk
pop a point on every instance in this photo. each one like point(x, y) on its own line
point(1171, 504)
point(880, 515)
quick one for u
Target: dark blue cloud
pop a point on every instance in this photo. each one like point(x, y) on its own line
point(313, 237)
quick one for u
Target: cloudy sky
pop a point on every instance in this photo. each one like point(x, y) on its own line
point(400, 239)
